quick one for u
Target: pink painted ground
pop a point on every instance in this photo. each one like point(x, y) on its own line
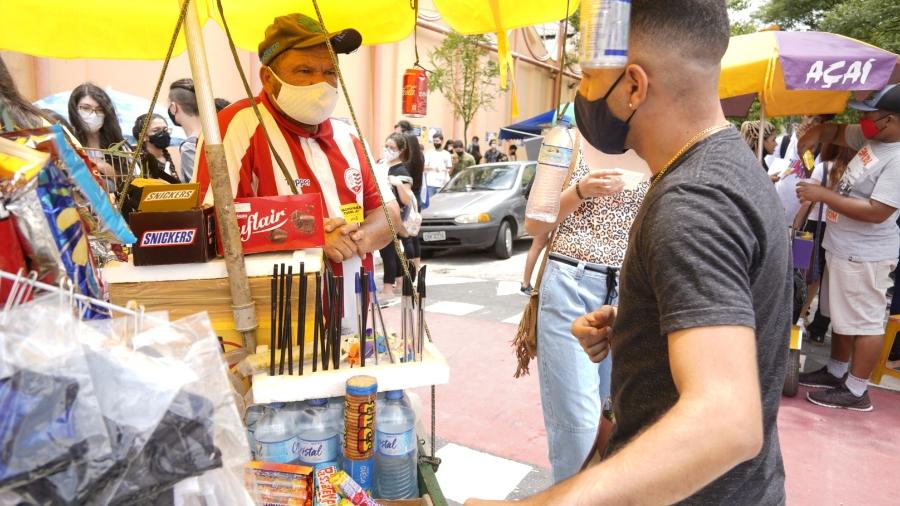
point(831, 456)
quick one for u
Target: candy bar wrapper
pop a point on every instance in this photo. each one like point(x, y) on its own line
point(351, 490)
point(326, 492)
point(37, 239)
point(12, 256)
point(52, 140)
point(275, 484)
point(70, 236)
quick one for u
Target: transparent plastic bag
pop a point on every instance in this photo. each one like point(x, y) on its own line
point(52, 420)
point(134, 393)
point(193, 341)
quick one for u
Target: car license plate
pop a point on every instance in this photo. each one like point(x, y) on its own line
point(434, 236)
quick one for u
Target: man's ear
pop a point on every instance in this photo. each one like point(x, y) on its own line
point(269, 83)
point(637, 83)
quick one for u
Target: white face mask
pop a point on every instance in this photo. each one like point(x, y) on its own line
point(310, 105)
point(92, 121)
point(389, 155)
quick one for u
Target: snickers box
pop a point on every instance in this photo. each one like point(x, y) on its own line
point(288, 222)
point(156, 195)
point(173, 237)
point(170, 226)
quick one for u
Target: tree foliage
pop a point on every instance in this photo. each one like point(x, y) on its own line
point(465, 73)
point(874, 21)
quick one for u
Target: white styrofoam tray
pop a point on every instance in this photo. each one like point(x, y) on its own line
point(432, 370)
point(256, 265)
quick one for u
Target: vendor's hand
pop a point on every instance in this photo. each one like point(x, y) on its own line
point(339, 244)
point(594, 331)
point(601, 182)
point(811, 192)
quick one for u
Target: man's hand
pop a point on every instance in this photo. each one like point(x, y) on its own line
point(594, 331)
point(811, 192)
point(339, 239)
point(601, 182)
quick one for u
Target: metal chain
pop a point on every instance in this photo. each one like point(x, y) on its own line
point(147, 119)
point(395, 238)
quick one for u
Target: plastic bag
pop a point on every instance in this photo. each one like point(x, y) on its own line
point(193, 341)
point(52, 420)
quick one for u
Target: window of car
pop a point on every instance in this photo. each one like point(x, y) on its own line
point(484, 177)
point(528, 175)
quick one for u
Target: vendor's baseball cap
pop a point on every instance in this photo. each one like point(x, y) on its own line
point(300, 31)
point(888, 99)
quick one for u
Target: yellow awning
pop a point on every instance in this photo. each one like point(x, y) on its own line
point(141, 30)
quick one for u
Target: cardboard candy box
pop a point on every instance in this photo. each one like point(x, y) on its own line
point(288, 222)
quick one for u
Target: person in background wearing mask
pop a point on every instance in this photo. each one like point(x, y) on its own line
point(155, 156)
point(475, 149)
point(396, 149)
point(93, 116)
point(861, 244)
point(699, 339)
point(437, 166)
point(492, 155)
point(513, 149)
point(183, 112)
point(463, 160)
point(320, 155)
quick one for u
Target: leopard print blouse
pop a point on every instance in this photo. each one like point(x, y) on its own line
point(597, 231)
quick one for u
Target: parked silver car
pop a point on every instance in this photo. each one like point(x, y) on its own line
point(483, 206)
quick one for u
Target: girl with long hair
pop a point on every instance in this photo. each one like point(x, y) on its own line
point(156, 157)
point(96, 124)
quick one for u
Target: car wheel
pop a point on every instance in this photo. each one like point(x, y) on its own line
point(503, 245)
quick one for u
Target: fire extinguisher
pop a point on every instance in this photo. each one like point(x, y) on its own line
point(415, 93)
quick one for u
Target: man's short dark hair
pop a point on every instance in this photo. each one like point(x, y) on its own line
point(182, 93)
point(457, 144)
point(475, 139)
point(513, 147)
point(405, 126)
point(437, 136)
point(697, 29)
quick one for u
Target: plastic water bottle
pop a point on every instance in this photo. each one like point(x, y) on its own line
point(251, 417)
point(604, 33)
point(396, 453)
point(553, 166)
point(318, 433)
point(276, 435)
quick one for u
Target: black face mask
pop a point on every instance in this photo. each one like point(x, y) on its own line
point(599, 126)
point(160, 139)
point(437, 146)
point(172, 117)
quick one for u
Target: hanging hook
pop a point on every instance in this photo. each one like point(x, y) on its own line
point(13, 294)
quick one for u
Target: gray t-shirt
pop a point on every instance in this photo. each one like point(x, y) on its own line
point(874, 173)
point(188, 152)
point(707, 248)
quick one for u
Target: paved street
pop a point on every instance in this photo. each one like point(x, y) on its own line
point(489, 425)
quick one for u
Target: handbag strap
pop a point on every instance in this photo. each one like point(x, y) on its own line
point(551, 240)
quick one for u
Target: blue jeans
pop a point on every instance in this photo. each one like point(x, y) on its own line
point(572, 387)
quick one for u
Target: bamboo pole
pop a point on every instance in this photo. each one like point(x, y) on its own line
point(241, 299)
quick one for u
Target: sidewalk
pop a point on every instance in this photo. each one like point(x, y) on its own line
point(831, 456)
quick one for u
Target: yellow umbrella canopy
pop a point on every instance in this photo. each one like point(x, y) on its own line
point(802, 72)
point(141, 30)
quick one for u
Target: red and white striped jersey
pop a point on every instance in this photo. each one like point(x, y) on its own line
point(330, 161)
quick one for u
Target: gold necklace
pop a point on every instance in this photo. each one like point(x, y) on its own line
point(702, 134)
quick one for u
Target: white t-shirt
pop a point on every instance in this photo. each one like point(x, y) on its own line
point(874, 173)
point(789, 169)
point(437, 168)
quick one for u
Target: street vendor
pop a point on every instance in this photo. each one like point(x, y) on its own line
point(321, 154)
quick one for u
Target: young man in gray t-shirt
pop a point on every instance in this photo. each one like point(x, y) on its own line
point(861, 244)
